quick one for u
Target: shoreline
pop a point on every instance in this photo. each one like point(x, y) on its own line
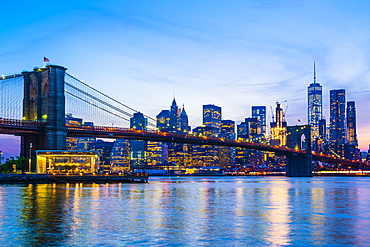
point(9, 178)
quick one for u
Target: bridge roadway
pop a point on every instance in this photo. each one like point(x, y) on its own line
point(19, 127)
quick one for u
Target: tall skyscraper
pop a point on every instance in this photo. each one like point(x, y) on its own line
point(351, 123)
point(212, 118)
point(183, 121)
point(314, 107)
point(259, 112)
point(337, 128)
point(174, 115)
point(351, 150)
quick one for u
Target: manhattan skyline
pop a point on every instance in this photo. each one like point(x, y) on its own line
point(235, 54)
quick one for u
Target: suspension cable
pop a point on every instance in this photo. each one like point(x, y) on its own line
point(108, 96)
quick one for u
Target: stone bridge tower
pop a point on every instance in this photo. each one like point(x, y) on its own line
point(44, 101)
point(299, 165)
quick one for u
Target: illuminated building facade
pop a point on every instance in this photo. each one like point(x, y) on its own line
point(72, 142)
point(212, 118)
point(278, 127)
point(204, 155)
point(176, 121)
point(156, 153)
point(78, 143)
point(178, 153)
point(184, 121)
point(351, 151)
point(67, 162)
point(138, 121)
point(120, 157)
point(314, 109)
point(351, 123)
point(164, 121)
point(250, 130)
point(227, 154)
point(137, 147)
point(259, 112)
point(105, 150)
point(337, 128)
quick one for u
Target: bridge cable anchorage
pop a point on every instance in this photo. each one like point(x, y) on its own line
point(112, 113)
point(108, 96)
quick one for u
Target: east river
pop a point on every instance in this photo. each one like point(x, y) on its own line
point(189, 211)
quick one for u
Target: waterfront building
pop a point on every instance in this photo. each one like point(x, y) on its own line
point(314, 97)
point(259, 112)
point(120, 156)
point(227, 154)
point(156, 153)
point(138, 147)
point(66, 161)
point(278, 128)
point(105, 149)
point(212, 118)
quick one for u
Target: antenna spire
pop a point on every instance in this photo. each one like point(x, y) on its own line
point(314, 72)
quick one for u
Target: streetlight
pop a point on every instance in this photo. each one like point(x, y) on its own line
point(29, 160)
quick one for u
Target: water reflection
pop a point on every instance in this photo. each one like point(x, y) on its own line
point(42, 216)
point(271, 211)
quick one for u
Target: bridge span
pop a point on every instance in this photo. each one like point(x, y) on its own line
point(40, 100)
point(22, 127)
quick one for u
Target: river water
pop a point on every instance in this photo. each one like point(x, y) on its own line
point(189, 211)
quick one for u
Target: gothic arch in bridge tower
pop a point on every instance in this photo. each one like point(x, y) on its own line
point(299, 164)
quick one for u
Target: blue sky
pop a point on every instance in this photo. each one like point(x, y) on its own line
point(233, 54)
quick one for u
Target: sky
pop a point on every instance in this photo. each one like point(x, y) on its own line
point(231, 53)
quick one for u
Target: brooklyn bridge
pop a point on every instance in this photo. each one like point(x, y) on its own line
point(34, 105)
